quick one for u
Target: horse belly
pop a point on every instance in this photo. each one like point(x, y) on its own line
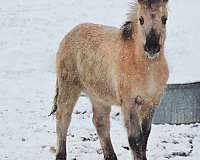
point(100, 88)
point(97, 81)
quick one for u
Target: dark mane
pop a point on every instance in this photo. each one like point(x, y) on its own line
point(126, 29)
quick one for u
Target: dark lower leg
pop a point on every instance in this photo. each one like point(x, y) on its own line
point(135, 135)
point(137, 142)
point(61, 155)
point(146, 127)
point(108, 150)
point(136, 145)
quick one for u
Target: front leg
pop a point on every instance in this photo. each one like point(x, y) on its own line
point(134, 129)
point(147, 116)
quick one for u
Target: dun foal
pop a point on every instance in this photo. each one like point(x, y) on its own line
point(124, 67)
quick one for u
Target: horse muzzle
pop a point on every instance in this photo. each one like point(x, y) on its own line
point(152, 50)
point(152, 45)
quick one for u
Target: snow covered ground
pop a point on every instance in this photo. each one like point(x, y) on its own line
point(29, 36)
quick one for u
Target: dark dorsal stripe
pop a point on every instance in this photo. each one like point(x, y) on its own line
point(150, 2)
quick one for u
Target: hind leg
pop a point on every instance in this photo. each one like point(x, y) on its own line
point(67, 97)
point(101, 120)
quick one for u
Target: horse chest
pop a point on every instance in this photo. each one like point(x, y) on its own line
point(148, 84)
point(152, 87)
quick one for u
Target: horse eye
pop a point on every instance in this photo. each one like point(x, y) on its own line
point(141, 19)
point(164, 20)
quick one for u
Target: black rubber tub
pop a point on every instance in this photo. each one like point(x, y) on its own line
point(180, 104)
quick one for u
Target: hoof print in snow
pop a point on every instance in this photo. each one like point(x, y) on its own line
point(125, 147)
point(44, 146)
point(85, 139)
point(180, 154)
point(164, 142)
point(71, 135)
point(195, 126)
point(93, 137)
point(115, 116)
point(79, 112)
point(175, 142)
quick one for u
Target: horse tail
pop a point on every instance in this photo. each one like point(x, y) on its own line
point(54, 108)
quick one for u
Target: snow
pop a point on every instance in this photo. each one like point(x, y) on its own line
point(182, 47)
point(29, 36)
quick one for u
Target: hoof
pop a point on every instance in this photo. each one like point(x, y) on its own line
point(61, 157)
point(111, 157)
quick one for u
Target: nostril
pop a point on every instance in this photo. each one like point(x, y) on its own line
point(157, 49)
point(146, 48)
point(152, 49)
